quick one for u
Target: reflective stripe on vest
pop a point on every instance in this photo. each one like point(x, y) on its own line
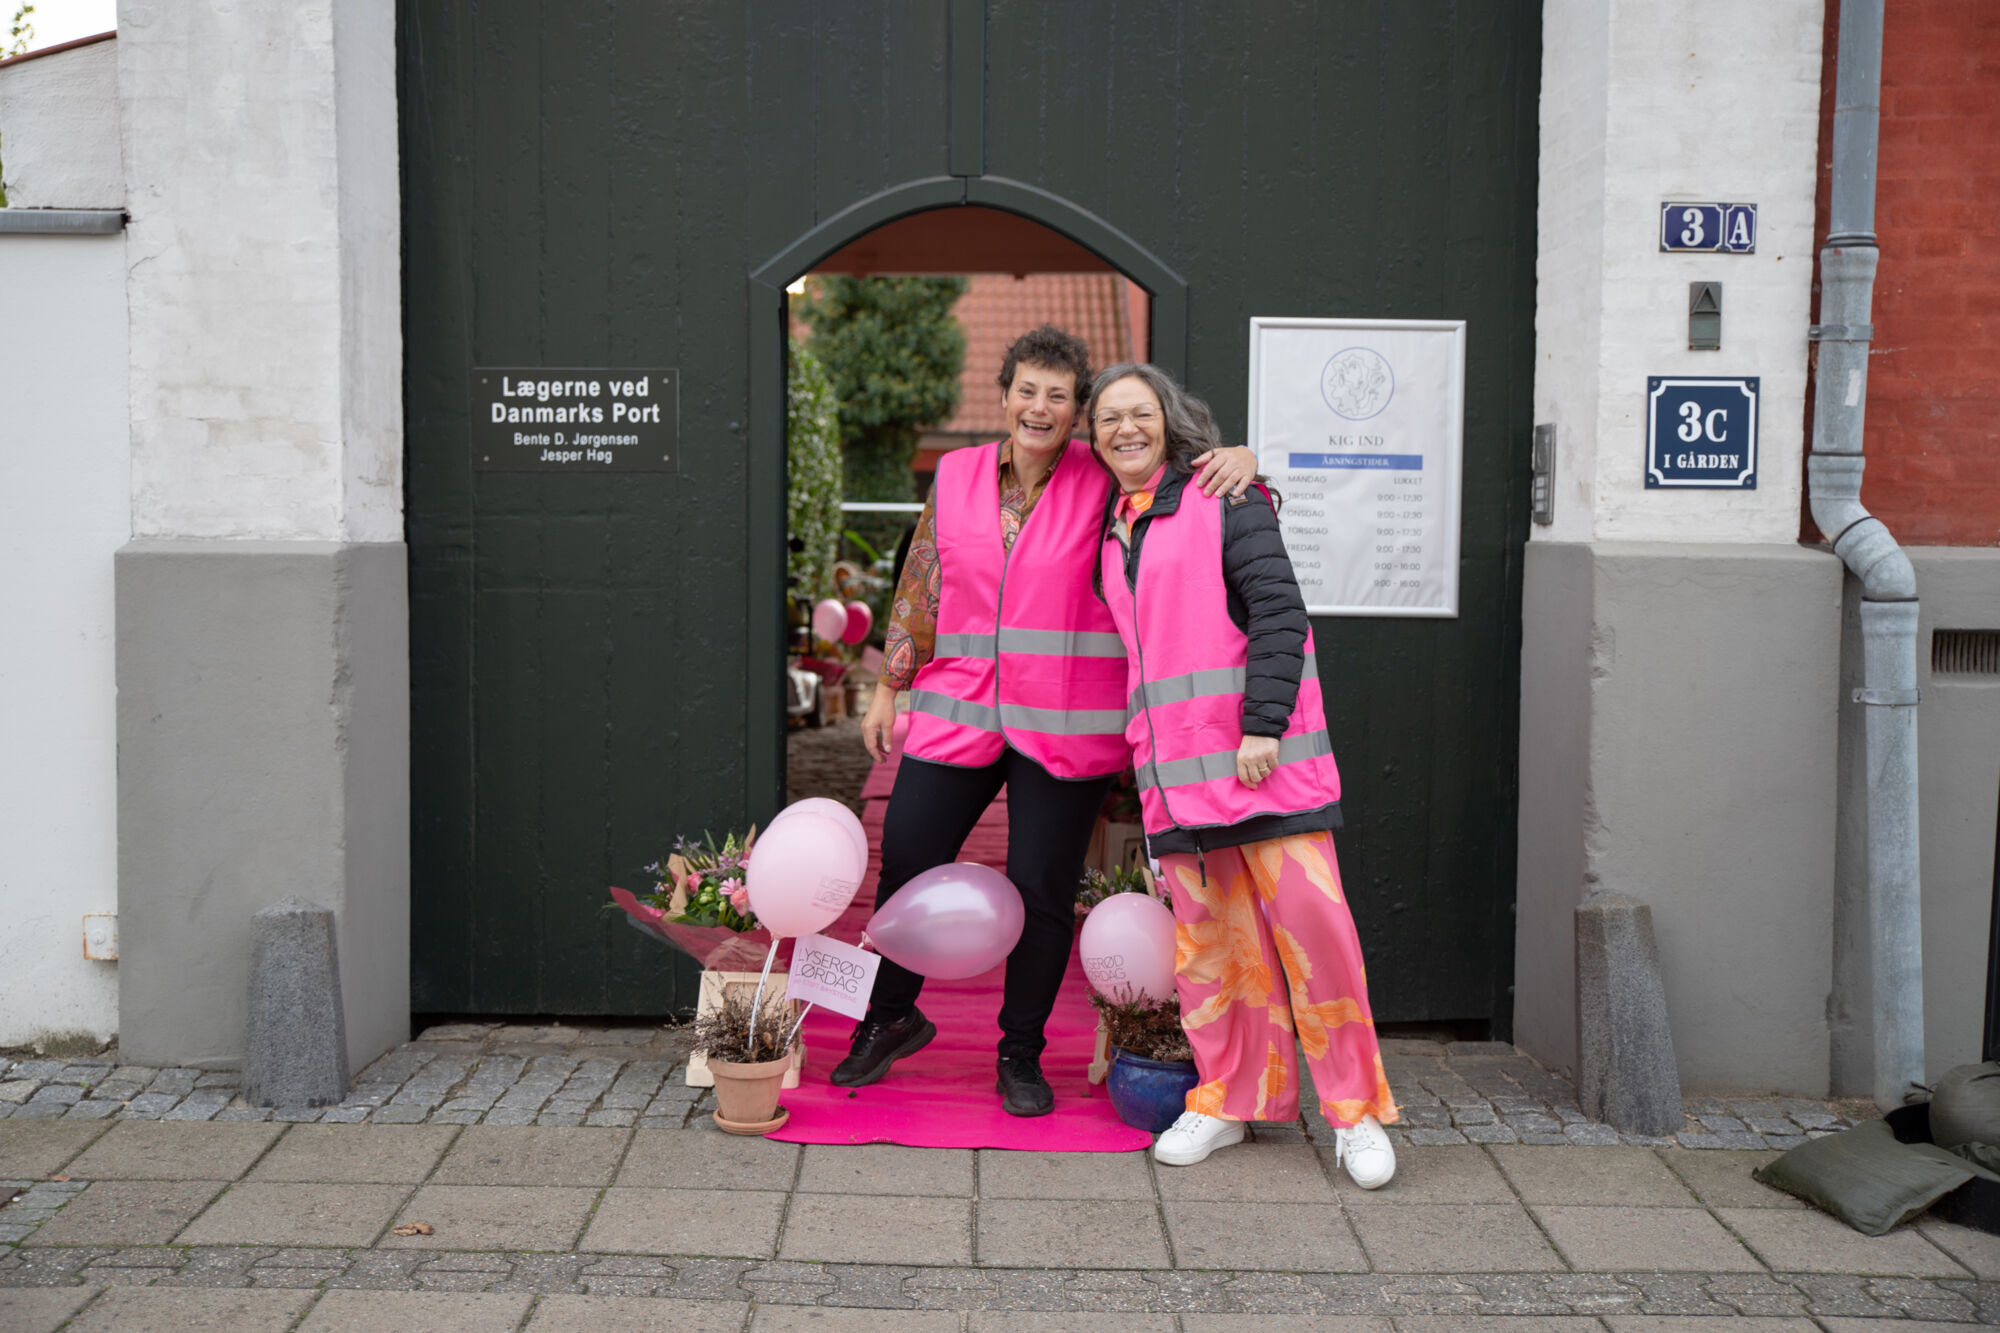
point(1032, 642)
point(962, 711)
point(1202, 685)
point(963, 645)
point(1222, 763)
point(1050, 721)
point(1062, 642)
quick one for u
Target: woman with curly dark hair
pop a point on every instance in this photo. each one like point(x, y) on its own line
point(1016, 678)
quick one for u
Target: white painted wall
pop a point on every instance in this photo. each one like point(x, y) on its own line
point(264, 269)
point(63, 512)
point(1680, 649)
point(64, 509)
point(1645, 101)
point(59, 130)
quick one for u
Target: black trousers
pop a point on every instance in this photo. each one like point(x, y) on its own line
point(1049, 820)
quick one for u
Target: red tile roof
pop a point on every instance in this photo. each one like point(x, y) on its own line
point(998, 308)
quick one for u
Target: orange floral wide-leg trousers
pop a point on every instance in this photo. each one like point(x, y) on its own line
point(1267, 953)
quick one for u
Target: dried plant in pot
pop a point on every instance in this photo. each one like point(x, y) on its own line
point(748, 1060)
point(1097, 885)
point(1152, 1066)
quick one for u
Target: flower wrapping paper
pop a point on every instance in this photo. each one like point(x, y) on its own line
point(717, 948)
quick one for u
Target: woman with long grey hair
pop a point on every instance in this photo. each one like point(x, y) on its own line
point(1237, 785)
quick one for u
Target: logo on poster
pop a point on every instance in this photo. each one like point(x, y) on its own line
point(1357, 383)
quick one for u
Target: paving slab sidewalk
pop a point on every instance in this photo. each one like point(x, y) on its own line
point(278, 1227)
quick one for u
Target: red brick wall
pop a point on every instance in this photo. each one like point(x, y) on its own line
point(1933, 433)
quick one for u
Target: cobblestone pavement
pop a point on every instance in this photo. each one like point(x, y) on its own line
point(827, 761)
point(507, 1074)
point(251, 1227)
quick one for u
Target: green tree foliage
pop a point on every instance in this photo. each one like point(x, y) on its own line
point(893, 350)
point(813, 471)
point(20, 33)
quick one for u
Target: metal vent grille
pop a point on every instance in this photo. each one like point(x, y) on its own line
point(1965, 652)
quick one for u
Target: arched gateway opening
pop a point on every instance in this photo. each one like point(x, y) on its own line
point(1011, 230)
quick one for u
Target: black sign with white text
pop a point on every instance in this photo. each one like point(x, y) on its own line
point(535, 419)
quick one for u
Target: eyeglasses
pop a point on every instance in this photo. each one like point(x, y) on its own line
point(1142, 417)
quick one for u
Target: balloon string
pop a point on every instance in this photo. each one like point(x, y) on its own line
point(757, 1001)
point(796, 1026)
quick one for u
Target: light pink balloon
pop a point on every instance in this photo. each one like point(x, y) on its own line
point(859, 621)
point(952, 921)
point(829, 620)
point(837, 811)
point(1128, 947)
point(802, 874)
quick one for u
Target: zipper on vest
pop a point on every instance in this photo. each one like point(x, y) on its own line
point(1000, 593)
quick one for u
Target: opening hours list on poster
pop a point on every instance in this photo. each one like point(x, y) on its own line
point(1359, 424)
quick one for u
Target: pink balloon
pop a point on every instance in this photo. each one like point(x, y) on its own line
point(802, 874)
point(859, 621)
point(952, 921)
point(837, 811)
point(1128, 947)
point(829, 620)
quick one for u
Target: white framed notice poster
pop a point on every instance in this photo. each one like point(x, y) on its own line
point(1360, 424)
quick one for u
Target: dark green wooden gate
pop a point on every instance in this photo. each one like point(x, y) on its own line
point(597, 660)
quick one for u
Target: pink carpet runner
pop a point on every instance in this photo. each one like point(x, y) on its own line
point(943, 1096)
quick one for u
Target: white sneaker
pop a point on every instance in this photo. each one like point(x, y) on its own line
point(1365, 1151)
point(1194, 1136)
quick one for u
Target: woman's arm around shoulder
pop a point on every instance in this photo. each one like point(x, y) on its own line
point(1231, 468)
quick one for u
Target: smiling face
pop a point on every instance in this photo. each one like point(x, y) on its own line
point(1129, 431)
point(1041, 407)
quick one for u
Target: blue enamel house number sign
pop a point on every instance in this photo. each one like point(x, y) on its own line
point(1701, 433)
point(1709, 228)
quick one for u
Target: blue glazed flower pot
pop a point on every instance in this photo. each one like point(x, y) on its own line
point(1148, 1094)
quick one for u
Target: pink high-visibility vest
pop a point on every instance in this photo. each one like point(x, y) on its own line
point(1186, 678)
point(1026, 654)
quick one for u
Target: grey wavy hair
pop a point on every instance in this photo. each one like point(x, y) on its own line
point(1191, 428)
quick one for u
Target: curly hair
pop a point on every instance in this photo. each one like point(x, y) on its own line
point(1048, 346)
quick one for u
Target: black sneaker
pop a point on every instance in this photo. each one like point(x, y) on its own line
point(877, 1045)
point(1022, 1089)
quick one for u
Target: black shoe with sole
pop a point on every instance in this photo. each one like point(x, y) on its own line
point(877, 1045)
point(1022, 1089)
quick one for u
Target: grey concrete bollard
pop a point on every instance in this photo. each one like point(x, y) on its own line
point(1626, 1074)
point(295, 1049)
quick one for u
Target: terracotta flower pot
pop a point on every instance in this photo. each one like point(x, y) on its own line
point(746, 1094)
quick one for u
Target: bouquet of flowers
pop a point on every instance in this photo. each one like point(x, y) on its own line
point(701, 884)
point(700, 904)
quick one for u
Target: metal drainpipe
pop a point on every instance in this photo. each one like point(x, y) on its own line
point(1888, 583)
